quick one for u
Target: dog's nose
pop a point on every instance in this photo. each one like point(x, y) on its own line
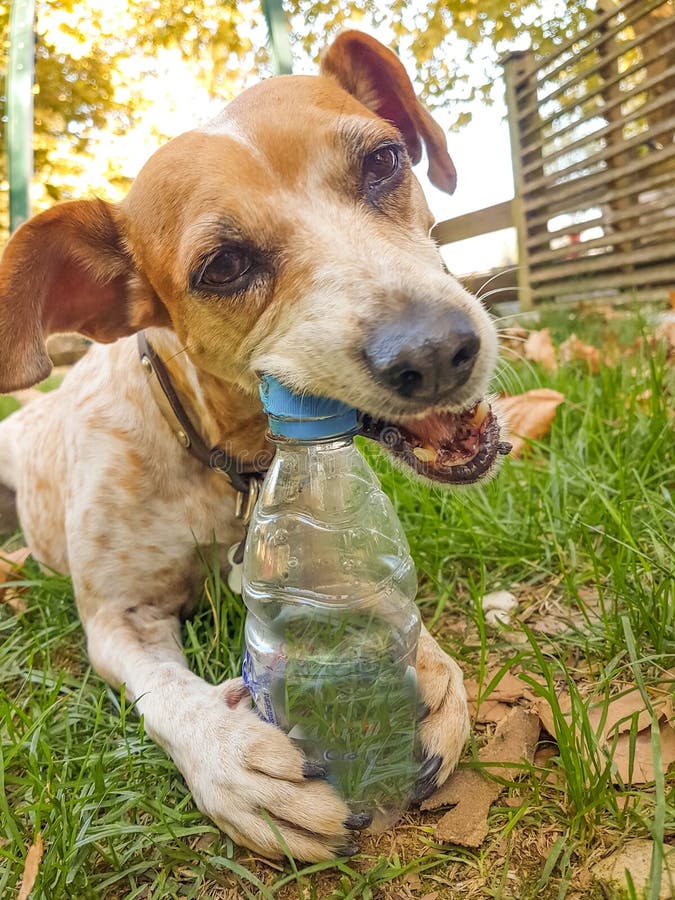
point(424, 356)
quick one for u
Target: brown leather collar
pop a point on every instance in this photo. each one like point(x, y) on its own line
point(246, 483)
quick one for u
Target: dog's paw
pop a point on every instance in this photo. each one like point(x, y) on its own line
point(444, 728)
point(248, 777)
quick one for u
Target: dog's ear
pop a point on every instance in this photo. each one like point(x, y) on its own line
point(376, 77)
point(67, 270)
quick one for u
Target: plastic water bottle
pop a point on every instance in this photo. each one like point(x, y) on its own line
point(332, 627)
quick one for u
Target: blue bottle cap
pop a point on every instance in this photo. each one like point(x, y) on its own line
point(304, 417)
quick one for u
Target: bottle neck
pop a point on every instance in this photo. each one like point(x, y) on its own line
point(337, 442)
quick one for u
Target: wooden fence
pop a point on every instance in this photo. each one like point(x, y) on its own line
point(593, 143)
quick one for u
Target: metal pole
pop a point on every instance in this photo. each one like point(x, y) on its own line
point(280, 44)
point(20, 73)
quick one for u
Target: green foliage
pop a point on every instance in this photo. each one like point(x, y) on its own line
point(91, 61)
point(584, 524)
point(93, 57)
point(454, 46)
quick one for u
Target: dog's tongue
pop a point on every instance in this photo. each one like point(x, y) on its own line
point(451, 447)
point(447, 438)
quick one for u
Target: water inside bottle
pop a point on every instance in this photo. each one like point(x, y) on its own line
point(343, 685)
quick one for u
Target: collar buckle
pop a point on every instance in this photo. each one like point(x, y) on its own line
point(244, 502)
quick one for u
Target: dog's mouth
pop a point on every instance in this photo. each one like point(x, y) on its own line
point(443, 446)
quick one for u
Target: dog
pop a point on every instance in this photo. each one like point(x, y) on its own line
point(287, 236)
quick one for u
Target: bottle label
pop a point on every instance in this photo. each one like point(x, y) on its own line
point(258, 684)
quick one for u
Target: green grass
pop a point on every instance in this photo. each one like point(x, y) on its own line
point(586, 521)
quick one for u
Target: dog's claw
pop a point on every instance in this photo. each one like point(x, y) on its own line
point(313, 770)
point(426, 780)
point(423, 711)
point(358, 821)
point(350, 849)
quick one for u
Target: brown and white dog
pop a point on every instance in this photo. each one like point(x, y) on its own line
point(287, 236)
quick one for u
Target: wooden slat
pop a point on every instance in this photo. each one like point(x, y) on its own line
point(602, 88)
point(647, 276)
point(641, 210)
point(605, 261)
point(481, 221)
point(639, 112)
point(635, 249)
point(592, 26)
point(610, 239)
point(552, 180)
point(599, 195)
point(643, 10)
point(582, 185)
point(596, 112)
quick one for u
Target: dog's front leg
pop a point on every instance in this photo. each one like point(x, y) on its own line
point(445, 726)
point(244, 774)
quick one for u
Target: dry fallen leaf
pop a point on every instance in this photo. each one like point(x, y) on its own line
point(489, 711)
point(472, 793)
point(496, 705)
point(31, 867)
point(10, 564)
point(634, 760)
point(508, 689)
point(636, 857)
point(666, 332)
point(613, 723)
point(539, 348)
point(529, 415)
point(608, 313)
point(513, 338)
point(574, 349)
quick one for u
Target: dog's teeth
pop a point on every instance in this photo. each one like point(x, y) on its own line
point(480, 415)
point(453, 463)
point(424, 454)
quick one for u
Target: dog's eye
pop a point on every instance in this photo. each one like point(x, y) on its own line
point(381, 164)
point(224, 269)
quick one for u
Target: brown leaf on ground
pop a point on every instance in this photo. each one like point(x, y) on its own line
point(552, 617)
point(472, 793)
point(543, 755)
point(635, 857)
point(608, 313)
point(10, 565)
point(665, 332)
point(575, 350)
point(513, 338)
point(529, 415)
point(496, 705)
point(489, 711)
point(634, 760)
point(509, 688)
point(613, 724)
point(539, 348)
point(31, 867)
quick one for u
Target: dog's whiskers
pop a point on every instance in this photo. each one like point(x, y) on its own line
point(500, 290)
point(515, 338)
point(495, 277)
